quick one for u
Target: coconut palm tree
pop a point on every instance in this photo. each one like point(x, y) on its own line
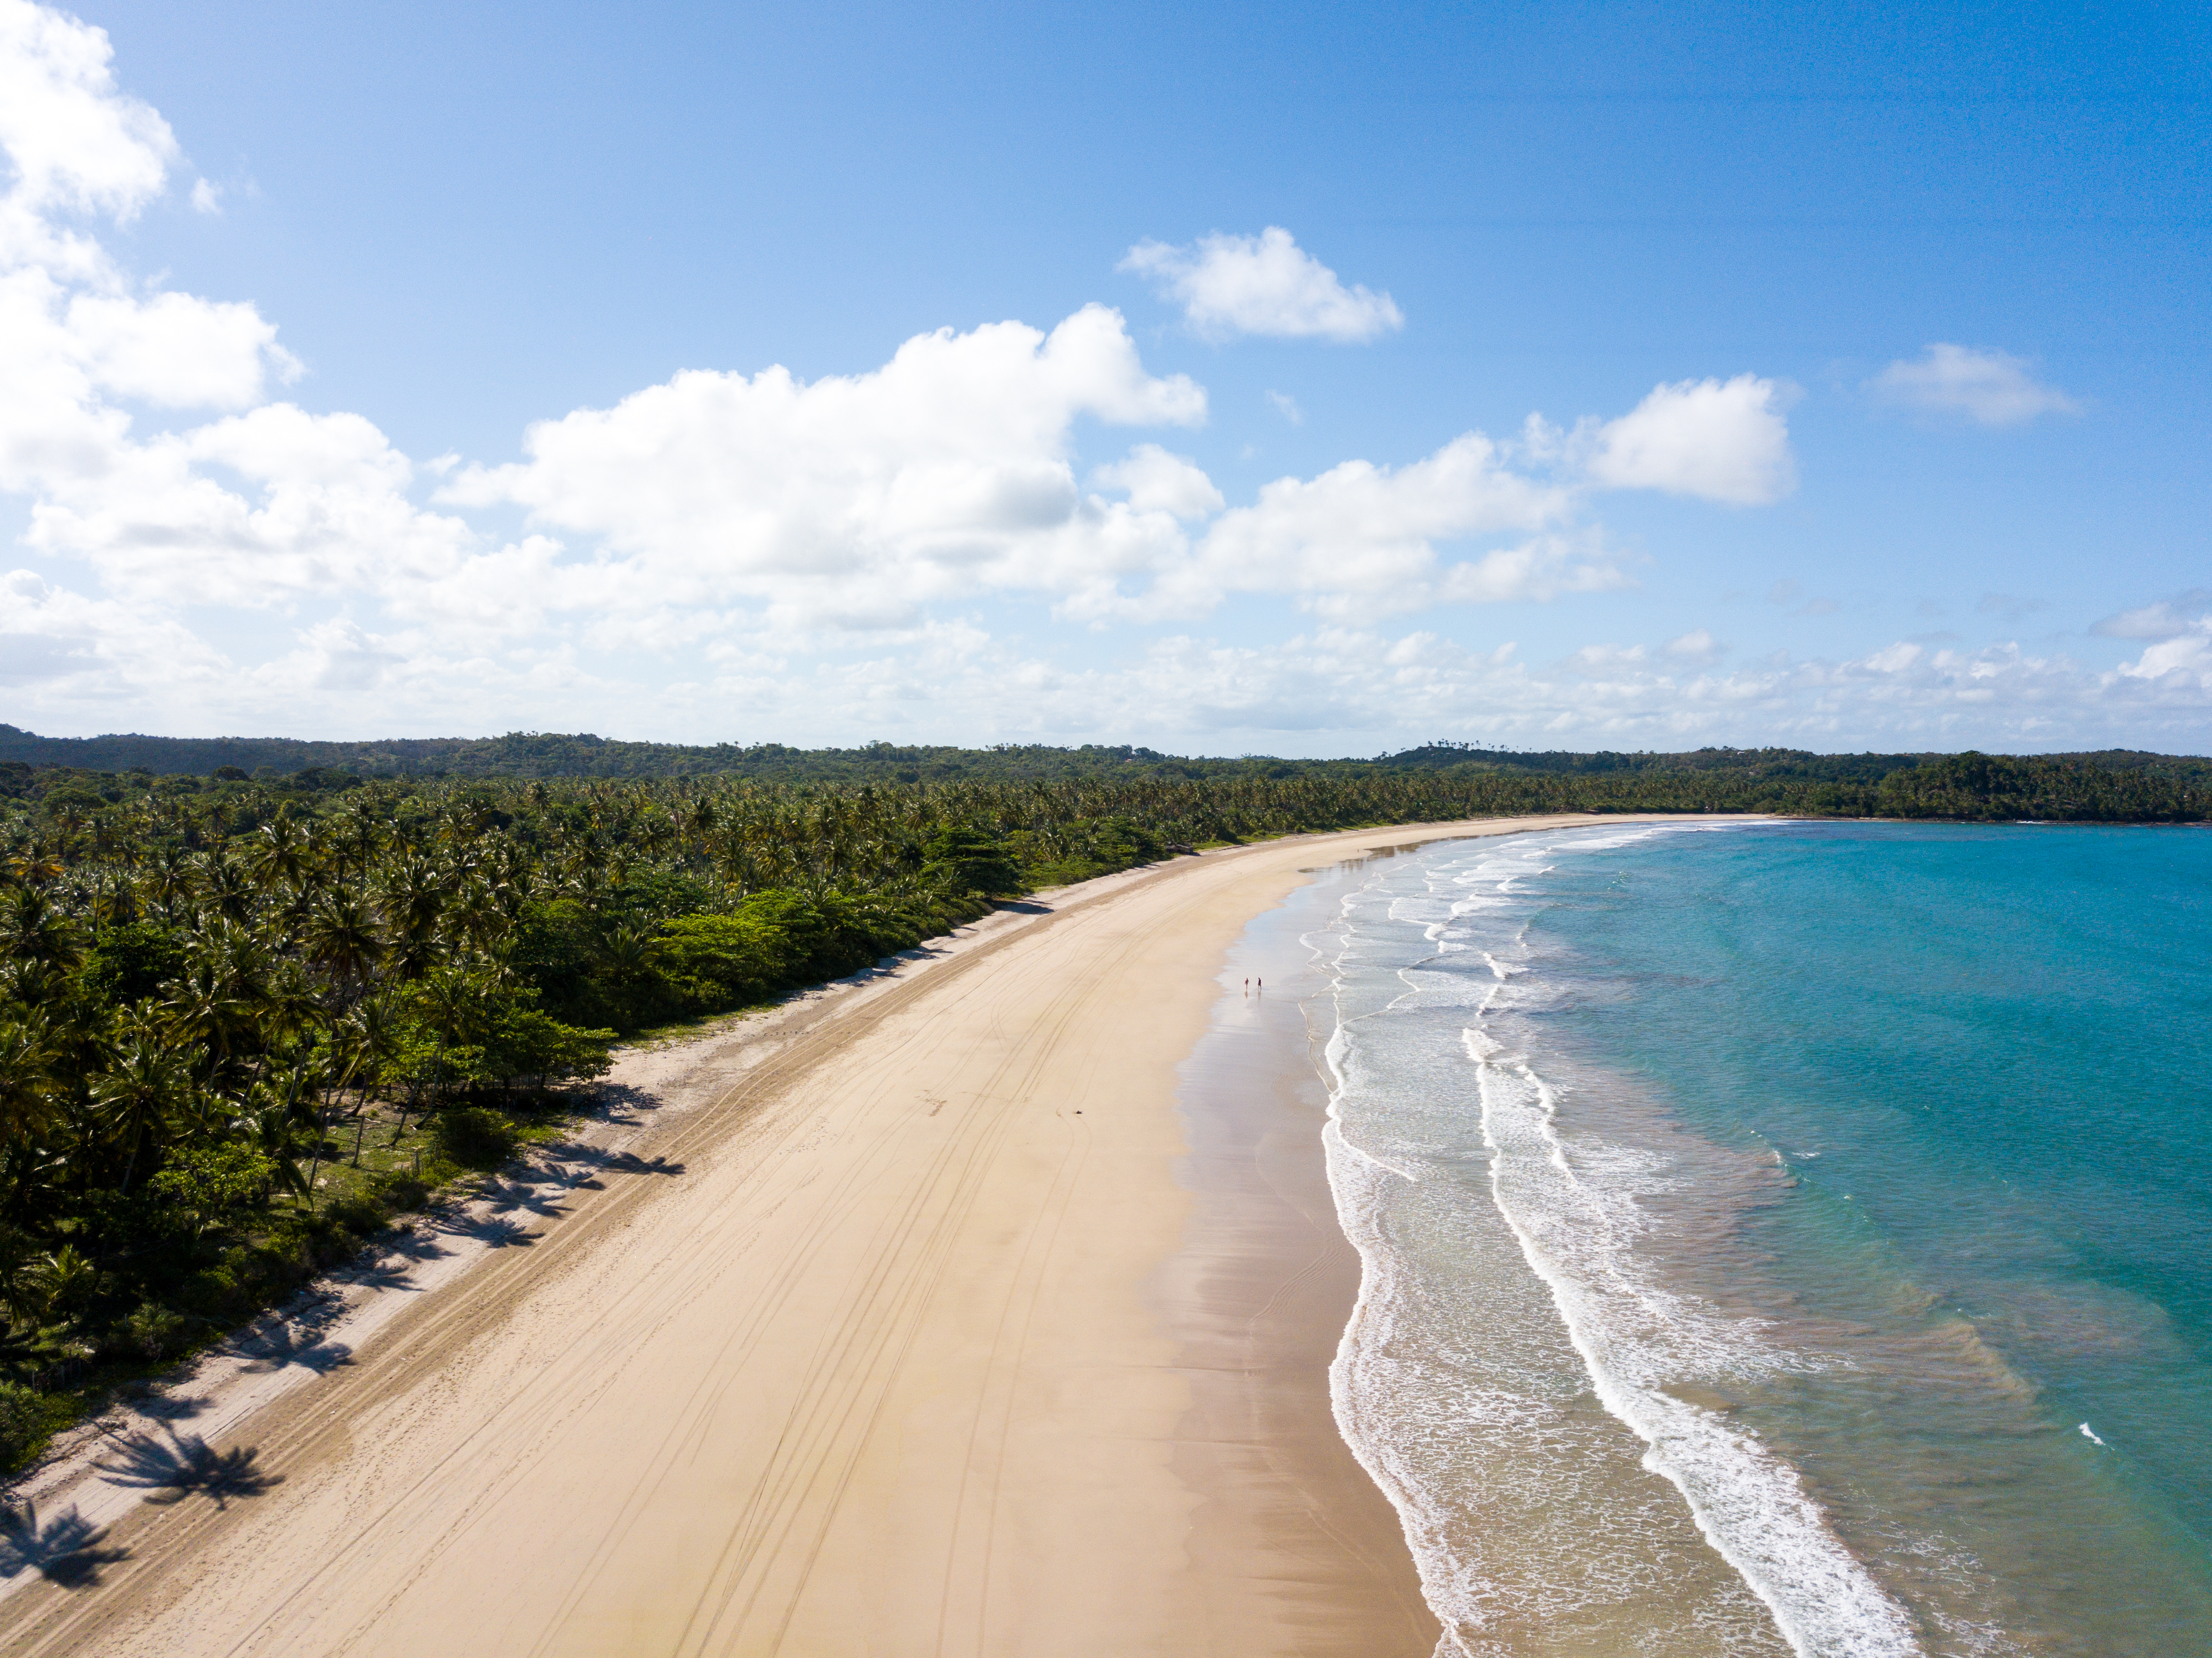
point(225, 888)
point(143, 1088)
point(412, 898)
point(277, 856)
point(62, 1281)
point(34, 928)
point(26, 1082)
point(340, 936)
point(168, 878)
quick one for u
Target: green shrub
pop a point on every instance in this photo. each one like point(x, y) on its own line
point(204, 1183)
point(818, 939)
point(962, 859)
point(134, 961)
point(323, 1241)
point(556, 946)
point(718, 962)
point(403, 1189)
point(527, 1042)
point(152, 1331)
point(656, 894)
point(212, 1292)
point(360, 1214)
point(22, 1422)
point(476, 1138)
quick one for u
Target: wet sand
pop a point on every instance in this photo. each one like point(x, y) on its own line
point(1258, 1295)
point(943, 1316)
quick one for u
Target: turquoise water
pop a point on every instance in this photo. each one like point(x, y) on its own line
point(1791, 1238)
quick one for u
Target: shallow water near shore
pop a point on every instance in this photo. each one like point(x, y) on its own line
point(1781, 1237)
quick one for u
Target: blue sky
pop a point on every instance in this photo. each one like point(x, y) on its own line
point(1870, 351)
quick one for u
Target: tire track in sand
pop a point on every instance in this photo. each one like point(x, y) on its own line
point(301, 1432)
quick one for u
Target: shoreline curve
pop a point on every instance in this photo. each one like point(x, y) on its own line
point(861, 1349)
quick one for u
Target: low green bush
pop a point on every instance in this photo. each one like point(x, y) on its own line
point(402, 1190)
point(323, 1241)
point(213, 1293)
point(475, 1137)
point(22, 1422)
point(152, 1331)
point(360, 1214)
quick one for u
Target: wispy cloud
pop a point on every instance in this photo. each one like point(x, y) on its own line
point(2168, 619)
point(1989, 388)
point(2008, 607)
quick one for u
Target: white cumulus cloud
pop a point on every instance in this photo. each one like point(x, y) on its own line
point(2187, 660)
point(1361, 540)
point(1723, 441)
point(945, 474)
point(1157, 481)
point(75, 142)
point(176, 350)
point(1264, 284)
point(1989, 388)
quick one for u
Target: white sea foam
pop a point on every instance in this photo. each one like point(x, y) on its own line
point(1577, 1226)
point(1573, 1211)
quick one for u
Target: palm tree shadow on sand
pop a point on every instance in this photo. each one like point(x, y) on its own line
point(173, 1471)
point(287, 1344)
point(66, 1550)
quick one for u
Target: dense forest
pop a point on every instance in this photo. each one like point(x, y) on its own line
point(247, 1016)
point(526, 755)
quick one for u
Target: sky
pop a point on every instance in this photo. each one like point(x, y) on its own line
point(1298, 380)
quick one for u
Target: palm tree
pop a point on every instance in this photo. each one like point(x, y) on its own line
point(33, 928)
point(628, 954)
point(277, 1110)
point(36, 864)
point(169, 877)
point(412, 900)
point(231, 989)
point(27, 1058)
point(341, 937)
point(114, 903)
point(225, 888)
point(277, 856)
point(62, 1281)
point(203, 1010)
point(142, 1087)
point(358, 836)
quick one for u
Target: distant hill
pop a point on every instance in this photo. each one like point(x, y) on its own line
point(552, 753)
point(526, 755)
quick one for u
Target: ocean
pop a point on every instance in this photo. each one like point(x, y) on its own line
point(1781, 1237)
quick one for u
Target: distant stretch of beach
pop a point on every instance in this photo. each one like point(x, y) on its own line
point(918, 1317)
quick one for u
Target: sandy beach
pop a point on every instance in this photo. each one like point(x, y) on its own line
point(942, 1314)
